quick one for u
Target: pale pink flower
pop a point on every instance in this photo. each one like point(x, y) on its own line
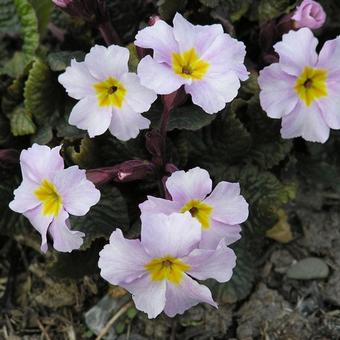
point(309, 14)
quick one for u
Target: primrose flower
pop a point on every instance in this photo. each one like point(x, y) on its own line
point(159, 269)
point(207, 61)
point(49, 193)
point(303, 87)
point(110, 97)
point(219, 211)
point(309, 14)
point(62, 3)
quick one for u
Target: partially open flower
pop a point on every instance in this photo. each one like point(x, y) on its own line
point(62, 3)
point(49, 193)
point(110, 97)
point(207, 61)
point(303, 87)
point(159, 269)
point(309, 14)
point(219, 211)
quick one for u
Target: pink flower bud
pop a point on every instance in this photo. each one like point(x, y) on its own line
point(62, 3)
point(153, 19)
point(309, 14)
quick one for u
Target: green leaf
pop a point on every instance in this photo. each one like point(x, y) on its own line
point(225, 141)
point(188, 117)
point(210, 3)
point(168, 8)
point(58, 61)
point(21, 122)
point(110, 213)
point(43, 136)
point(42, 93)
point(133, 59)
point(15, 66)
point(9, 22)
point(29, 28)
point(270, 9)
point(43, 10)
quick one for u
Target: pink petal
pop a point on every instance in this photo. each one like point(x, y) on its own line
point(78, 193)
point(305, 122)
point(87, 115)
point(122, 260)
point(330, 105)
point(297, 50)
point(64, 239)
point(218, 231)
point(104, 62)
point(24, 198)
point(160, 38)
point(174, 235)
point(77, 80)
point(158, 77)
point(329, 57)
point(229, 206)
point(41, 224)
point(277, 95)
point(159, 205)
point(193, 184)
point(126, 123)
point(215, 264)
point(187, 294)
point(40, 162)
point(149, 296)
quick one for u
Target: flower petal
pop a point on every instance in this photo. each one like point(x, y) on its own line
point(149, 296)
point(297, 50)
point(187, 294)
point(184, 32)
point(174, 235)
point(215, 264)
point(218, 231)
point(330, 105)
point(41, 223)
point(138, 97)
point(104, 62)
point(160, 38)
point(77, 80)
point(280, 99)
point(40, 162)
point(159, 205)
point(126, 123)
point(78, 194)
point(158, 77)
point(87, 115)
point(193, 184)
point(329, 57)
point(229, 206)
point(122, 260)
point(214, 91)
point(305, 122)
point(24, 198)
point(64, 239)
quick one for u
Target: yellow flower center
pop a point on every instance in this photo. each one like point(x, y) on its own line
point(189, 65)
point(49, 197)
point(311, 84)
point(167, 268)
point(199, 210)
point(110, 92)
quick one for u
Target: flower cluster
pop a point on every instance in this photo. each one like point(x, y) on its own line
point(184, 238)
point(181, 240)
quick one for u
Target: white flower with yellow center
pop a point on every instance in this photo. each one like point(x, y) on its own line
point(219, 211)
point(303, 87)
point(49, 193)
point(110, 97)
point(203, 59)
point(160, 269)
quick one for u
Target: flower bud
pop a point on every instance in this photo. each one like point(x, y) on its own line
point(62, 3)
point(309, 14)
point(153, 19)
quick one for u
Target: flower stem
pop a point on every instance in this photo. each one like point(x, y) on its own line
point(108, 33)
point(163, 130)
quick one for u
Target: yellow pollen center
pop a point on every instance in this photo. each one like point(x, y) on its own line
point(311, 84)
point(189, 65)
point(110, 92)
point(49, 197)
point(199, 210)
point(167, 268)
